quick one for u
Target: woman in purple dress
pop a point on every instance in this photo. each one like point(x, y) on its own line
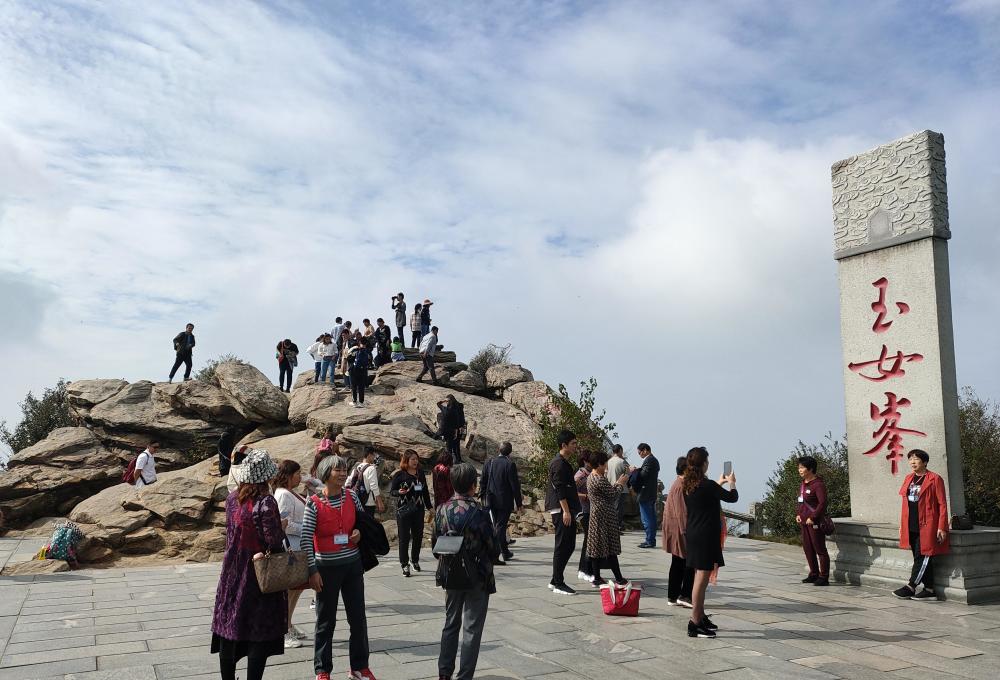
point(246, 622)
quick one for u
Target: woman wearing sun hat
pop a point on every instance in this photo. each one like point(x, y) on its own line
point(246, 622)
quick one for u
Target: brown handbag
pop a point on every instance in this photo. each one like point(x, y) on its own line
point(281, 571)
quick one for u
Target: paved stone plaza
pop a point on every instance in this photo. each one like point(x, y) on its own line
point(153, 623)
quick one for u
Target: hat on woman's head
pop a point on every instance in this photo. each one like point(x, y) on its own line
point(256, 468)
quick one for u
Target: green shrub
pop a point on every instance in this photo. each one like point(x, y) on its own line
point(979, 425)
point(207, 372)
point(591, 430)
point(491, 355)
point(38, 418)
point(779, 504)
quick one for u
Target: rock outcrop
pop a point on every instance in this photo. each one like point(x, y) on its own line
point(75, 472)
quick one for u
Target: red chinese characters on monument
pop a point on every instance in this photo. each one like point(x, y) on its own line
point(889, 434)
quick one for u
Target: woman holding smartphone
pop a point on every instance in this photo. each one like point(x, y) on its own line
point(702, 497)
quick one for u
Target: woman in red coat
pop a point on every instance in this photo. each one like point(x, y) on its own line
point(923, 525)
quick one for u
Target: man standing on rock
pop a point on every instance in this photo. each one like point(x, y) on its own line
point(501, 492)
point(563, 504)
point(415, 326)
point(400, 307)
point(145, 466)
point(425, 317)
point(383, 338)
point(452, 426)
point(616, 468)
point(184, 346)
point(428, 348)
point(649, 477)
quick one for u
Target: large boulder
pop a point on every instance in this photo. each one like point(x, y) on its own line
point(202, 400)
point(468, 381)
point(408, 370)
point(390, 440)
point(177, 497)
point(65, 447)
point(260, 399)
point(503, 376)
point(440, 357)
point(341, 415)
point(534, 398)
point(105, 510)
point(133, 416)
point(83, 395)
point(306, 400)
point(489, 423)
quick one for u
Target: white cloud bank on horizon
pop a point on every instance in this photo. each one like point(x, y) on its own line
point(636, 192)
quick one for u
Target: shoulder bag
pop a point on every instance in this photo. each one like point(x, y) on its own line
point(279, 571)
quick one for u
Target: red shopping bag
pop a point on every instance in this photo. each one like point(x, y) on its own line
point(621, 600)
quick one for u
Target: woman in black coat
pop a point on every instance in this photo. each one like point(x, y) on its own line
point(702, 497)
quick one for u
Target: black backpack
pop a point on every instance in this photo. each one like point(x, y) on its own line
point(457, 569)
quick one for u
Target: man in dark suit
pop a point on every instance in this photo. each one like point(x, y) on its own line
point(501, 491)
point(184, 347)
point(648, 487)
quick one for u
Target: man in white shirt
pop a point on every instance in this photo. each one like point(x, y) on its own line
point(617, 467)
point(428, 346)
point(145, 466)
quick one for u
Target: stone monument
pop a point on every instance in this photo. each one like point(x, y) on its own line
point(891, 234)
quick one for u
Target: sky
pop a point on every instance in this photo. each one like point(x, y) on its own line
point(634, 191)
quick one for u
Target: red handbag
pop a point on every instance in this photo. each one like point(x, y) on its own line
point(621, 600)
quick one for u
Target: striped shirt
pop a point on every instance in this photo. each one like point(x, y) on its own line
point(347, 553)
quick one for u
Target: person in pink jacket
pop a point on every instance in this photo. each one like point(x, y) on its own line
point(923, 525)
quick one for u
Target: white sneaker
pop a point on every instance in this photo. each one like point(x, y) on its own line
point(562, 589)
point(297, 632)
point(580, 576)
point(291, 642)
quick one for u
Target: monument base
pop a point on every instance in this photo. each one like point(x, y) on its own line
point(868, 554)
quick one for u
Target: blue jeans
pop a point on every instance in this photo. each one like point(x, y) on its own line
point(327, 366)
point(647, 512)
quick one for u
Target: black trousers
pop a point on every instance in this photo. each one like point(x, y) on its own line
point(255, 667)
point(923, 567)
point(359, 381)
point(501, 518)
point(681, 579)
point(563, 549)
point(347, 580)
point(284, 371)
point(182, 359)
point(428, 366)
point(416, 339)
point(610, 562)
point(453, 445)
point(585, 565)
point(400, 335)
point(411, 535)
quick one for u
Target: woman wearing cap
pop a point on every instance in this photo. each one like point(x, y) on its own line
point(330, 541)
point(246, 622)
point(425, 318)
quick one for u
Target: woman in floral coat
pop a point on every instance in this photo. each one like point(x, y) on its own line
point(603, 538)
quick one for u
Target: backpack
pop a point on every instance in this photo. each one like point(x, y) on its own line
point(128, 477)
point(62, 545)
point(356, 483)
point(457, 569)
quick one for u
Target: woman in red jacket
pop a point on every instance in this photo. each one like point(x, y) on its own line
point(923, 525)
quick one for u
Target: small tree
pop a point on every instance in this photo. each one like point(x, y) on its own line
point(779, 504)
point(207, 372)
point(491, 355)
point(979, 425)
point(591, 430)
point(38, 418)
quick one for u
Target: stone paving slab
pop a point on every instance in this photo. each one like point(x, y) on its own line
point(154, 623)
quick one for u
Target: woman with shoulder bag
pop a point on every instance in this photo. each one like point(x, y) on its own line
point(291, 507)
point(810, 517)
point(330, 541)
point(409, 488)
point(245, 621)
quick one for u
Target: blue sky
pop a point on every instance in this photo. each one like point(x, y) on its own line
point(634, 191)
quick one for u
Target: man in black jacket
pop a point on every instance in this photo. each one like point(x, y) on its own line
point(563, 504)
point(184, 346)
point(501, 491)
point(451, 425)
point(649, 477)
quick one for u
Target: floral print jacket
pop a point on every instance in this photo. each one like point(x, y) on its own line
point(465, 512)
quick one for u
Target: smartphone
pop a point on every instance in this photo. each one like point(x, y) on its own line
point(727, 468)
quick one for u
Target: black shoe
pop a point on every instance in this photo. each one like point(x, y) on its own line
point(598, 582)
point(645, 545)
point(562, 589)
point(512, 541)
point(416, 566)
point(696, 631)
point(925, 594)
point(509, 556)
point(904, 593)
point(811, 578)
point(707, 623)
point(406, 570)
point(822, 581)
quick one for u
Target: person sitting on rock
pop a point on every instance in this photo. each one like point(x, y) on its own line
point(397, 350)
